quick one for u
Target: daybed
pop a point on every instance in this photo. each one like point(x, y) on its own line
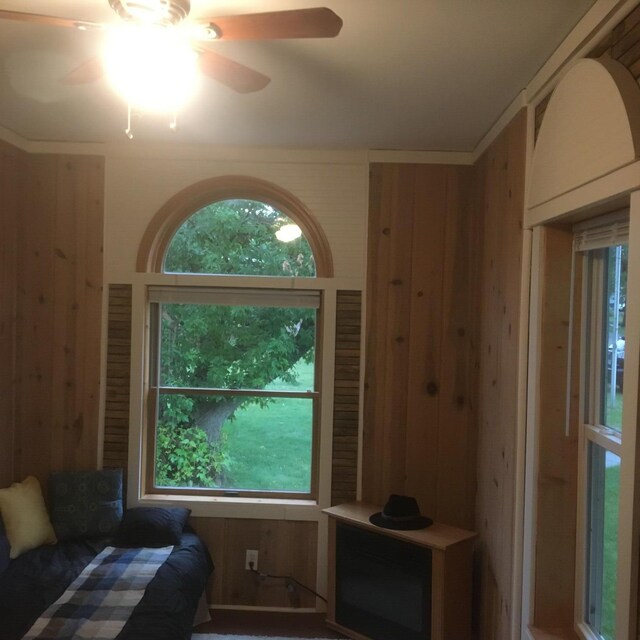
point(35, 579)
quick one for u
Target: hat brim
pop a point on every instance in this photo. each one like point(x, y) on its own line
point(419, 522)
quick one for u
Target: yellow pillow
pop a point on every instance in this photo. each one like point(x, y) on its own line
point(25, 516)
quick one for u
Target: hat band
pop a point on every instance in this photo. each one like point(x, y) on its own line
point(399, 518)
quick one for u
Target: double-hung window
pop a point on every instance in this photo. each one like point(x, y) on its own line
point(233, 368)
point(604, 295)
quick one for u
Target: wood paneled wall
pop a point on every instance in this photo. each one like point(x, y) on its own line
point(285, 548)
point(441, 240)
point(12, 174)
point(421, 356)
point(499, 204)
point(56, 285)
point(557, 474)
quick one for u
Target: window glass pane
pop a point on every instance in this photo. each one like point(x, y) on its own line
point(602, 544)
point(237, 347)
point(235, 442)
point(240, 237)
point(614, 326)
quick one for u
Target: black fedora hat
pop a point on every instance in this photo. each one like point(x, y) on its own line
point(400, 512)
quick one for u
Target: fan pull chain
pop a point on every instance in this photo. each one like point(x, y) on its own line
point(173, 125)
point(128, 131)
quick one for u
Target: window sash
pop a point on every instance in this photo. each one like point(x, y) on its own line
point(592, 241)
point(236, 297)
point(157, 295)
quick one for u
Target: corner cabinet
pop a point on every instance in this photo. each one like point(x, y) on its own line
point(385, 584)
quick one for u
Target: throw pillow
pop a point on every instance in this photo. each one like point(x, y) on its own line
point(4, 548)
point(151, 527)
point(25, 516)
point(85, 504)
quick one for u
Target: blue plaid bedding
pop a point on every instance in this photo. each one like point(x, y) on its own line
point(100, 600)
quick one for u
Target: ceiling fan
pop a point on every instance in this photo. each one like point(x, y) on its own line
point(318, 22)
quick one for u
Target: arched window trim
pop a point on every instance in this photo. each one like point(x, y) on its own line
point(185, 203)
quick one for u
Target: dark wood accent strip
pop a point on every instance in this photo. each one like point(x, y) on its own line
point(116, 413)
point(346, 406)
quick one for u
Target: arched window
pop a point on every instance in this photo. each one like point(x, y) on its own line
point(240, 237)
point(233, 355)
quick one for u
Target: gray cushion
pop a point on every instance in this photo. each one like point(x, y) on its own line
point(4, 548)
point(151, 527)
point(85, 504)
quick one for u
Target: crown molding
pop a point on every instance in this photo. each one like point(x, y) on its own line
point(603, 16)
point(420, 157)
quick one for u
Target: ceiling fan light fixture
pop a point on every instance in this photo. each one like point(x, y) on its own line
point(153, 68)
point(161, 12)
point(204, 32)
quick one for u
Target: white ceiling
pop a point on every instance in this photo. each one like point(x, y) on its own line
point(402, 74)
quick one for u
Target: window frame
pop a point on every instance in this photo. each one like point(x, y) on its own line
point(149, 261)
point(153, 391)
point(592, 432)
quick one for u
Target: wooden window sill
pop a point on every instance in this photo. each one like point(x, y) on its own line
point(553, 634)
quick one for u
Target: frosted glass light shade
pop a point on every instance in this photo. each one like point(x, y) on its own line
point(153, 68)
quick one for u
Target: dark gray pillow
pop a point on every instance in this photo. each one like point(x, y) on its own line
point(5, 548)
point(85, 504)
point(151, 527)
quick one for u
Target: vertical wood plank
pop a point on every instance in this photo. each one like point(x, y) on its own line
point(12, 190)
point(557, 471)
point(376, 374)
point(499, 201)
point(420, 387)
point(283, 550)
point(35, 314)
point(456, 442)
point(58, 307)
point(425, 346)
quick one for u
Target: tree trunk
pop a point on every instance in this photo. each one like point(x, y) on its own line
point(212, 417)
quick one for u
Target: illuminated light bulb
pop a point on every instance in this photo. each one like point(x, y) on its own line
point(288, 232)
point(152, 67)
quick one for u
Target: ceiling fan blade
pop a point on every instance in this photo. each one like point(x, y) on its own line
point(318, 22)
point(48, 20)
point(233, 74)
point(88, 71)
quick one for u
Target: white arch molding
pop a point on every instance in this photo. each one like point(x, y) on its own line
point(589, 142)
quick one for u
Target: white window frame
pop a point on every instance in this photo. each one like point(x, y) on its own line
point(591, 431)
point(230, 296)
point(221, 506)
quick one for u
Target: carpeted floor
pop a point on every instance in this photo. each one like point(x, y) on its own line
point(238, 624)
point(217, 636)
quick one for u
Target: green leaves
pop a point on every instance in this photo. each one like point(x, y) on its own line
point(184, 458)
point(222, 346)
point(237, 237)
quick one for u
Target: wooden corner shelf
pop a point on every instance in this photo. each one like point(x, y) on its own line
point(451, 552)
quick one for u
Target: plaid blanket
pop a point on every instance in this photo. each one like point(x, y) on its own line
point(100, 600)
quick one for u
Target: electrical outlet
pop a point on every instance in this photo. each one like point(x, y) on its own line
point(251, 556)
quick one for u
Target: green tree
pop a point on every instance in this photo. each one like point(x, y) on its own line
point(230, 347)
point(237, 237)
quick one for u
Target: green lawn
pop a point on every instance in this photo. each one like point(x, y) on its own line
point(612, 495)
point(270, 447)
